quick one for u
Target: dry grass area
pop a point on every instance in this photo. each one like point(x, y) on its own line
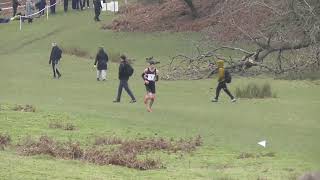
point(64, 126)
point(126, 152)
point(25, 108)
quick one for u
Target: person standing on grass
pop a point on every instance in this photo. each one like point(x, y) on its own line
point(150, 76)
point(97, 9)
point(101, 64)
point(223, 78)
point(55, 57)
point(125, 71)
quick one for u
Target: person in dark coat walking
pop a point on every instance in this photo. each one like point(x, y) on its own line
point(65, 5)
point(15, 4)
point(97, 9)
point(101, 64)
point(55, 57)
point(52, 6)
point(125, 71)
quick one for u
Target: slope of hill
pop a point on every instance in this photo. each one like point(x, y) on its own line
point(220, 16)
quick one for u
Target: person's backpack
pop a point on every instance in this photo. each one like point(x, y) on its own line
point(227, 76)
point(130, 70)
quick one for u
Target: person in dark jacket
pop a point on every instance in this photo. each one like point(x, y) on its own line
point(52, 6)
point(124, 75)
point(15, 4)
point(97, 9)
point(65, 5)
point(55, 57)
point(101, 64)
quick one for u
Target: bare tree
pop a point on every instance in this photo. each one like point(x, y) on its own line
point(287, 38)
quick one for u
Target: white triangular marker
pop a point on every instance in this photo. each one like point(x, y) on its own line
point(263, 143)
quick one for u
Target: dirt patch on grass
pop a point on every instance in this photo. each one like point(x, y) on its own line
point(126, 152)
point(310, 176)
point(246, 155)
point(24, 108)
point(64, 126)
point(78, 52)
point(4, 141)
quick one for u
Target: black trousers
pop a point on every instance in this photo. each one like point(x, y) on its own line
point(124, 84)
point(223, 85)
point(84, 3)
point(53, 9)
point(65, 5)
point(14, 10)
point(97, 14)
point(55, 70)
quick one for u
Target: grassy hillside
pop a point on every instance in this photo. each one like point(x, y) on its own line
point(289, 123)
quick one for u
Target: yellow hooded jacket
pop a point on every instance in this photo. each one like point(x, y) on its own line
point(220, 70)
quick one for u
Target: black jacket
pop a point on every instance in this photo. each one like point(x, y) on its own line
point(15, 3)
point(123, 71)
point(55, 55)
point(97, 5)
point(101, 60)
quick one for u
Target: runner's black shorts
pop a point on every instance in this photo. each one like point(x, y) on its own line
point(151, 87)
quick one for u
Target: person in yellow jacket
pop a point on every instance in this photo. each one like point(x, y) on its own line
point(223, 78)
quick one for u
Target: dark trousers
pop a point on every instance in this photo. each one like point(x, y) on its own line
point(97, 14)
point(53, 9)
point(74, 4)
point(84, 3)
point(55, 70)
point(124, 84)
point(79, 4)
point(14, 10)
point(65, 5)
point(223, 85)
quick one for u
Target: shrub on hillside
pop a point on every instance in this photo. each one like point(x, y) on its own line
point(253, 90)
point(4, 140)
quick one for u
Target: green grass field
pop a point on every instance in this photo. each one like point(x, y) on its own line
point(289, 123)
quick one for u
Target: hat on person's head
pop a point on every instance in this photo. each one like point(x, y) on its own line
point(152, 62)
point(123, 57)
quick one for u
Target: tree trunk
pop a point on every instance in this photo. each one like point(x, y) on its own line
point(192, 8)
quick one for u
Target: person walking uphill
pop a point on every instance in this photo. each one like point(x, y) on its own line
point(125, 71)
point(97, 9)
point(223, 78)
point(101, 64)
point(54, 60)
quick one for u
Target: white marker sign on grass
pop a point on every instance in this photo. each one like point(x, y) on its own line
point(263, 143)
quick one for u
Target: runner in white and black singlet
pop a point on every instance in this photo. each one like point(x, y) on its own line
point(150, 76)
